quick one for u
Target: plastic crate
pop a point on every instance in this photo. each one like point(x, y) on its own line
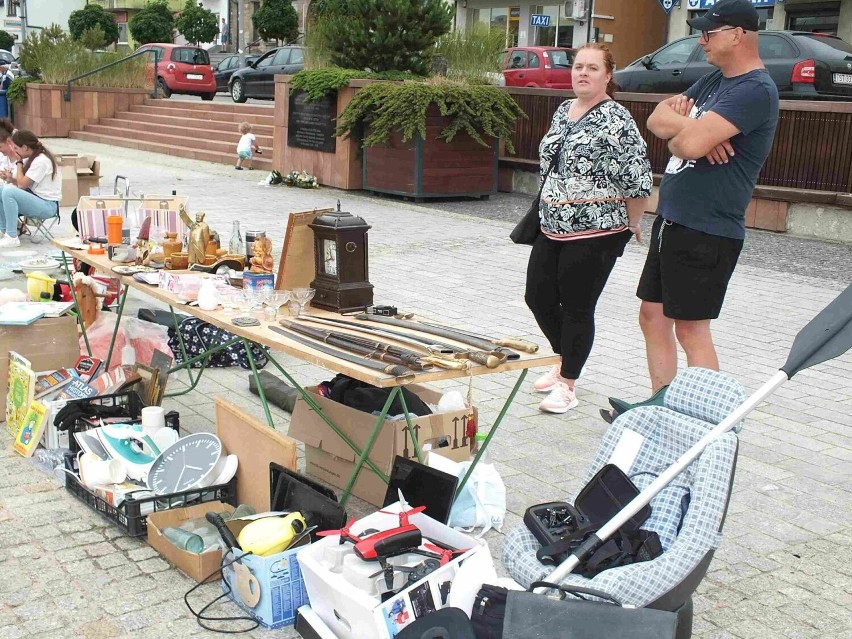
point(131, 516)
point(132, 404)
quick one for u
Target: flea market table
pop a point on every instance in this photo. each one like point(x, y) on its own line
point(269, 340)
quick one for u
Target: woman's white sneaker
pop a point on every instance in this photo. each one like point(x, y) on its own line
point(9, 242)
point(546, 382)
point(561, 399)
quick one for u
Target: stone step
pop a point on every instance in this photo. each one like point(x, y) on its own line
point(264, 118)
point(261, 163)
point(185, 139)
point(190, 122)
point(185, 128)
point(221, 107)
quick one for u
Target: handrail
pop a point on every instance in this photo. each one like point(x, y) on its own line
point(112, 64)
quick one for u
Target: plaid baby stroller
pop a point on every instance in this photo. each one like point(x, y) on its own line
point(688, 514)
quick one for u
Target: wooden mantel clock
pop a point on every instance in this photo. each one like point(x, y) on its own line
point(340, 250)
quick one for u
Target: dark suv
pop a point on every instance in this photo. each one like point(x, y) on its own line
point(802, 65)
point(258, 79)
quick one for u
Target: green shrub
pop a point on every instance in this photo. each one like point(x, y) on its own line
point(154, 23)
point(89, 17)
point(6, 40)
point(17, 91)
point(472, 54)
point(68, 58)
point(481, 111)
point(38, 45)
point(319, 82)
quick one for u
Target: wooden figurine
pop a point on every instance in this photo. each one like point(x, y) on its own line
point(199, 236)
point(262, 261)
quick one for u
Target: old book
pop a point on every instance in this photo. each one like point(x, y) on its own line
point(21, 391)
point(30, 431)
point(49, 383)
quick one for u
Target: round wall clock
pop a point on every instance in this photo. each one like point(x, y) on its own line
point(186, 464)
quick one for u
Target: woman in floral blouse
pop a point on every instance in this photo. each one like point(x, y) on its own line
point(591, 205)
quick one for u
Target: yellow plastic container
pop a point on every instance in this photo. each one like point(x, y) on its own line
point(38, 283)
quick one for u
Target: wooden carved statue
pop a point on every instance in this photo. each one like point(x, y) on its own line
point(199, 236)
point(262, 261)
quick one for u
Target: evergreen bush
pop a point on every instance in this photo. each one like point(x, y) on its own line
point(481, 111)
point(387, 35)
point(154, 23)
point(89, 17)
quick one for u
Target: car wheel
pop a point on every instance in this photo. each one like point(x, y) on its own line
point(164, 88)
point(238, 93)
point(208, 96)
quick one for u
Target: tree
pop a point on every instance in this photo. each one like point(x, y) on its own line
point(6, 40)
point(89, 17)
point(277, 20)
point(154, 23)
point(93, 39)
point(197, 24)
point(389, 35)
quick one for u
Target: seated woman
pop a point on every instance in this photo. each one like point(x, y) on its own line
point(8, 157)
point(35, 187)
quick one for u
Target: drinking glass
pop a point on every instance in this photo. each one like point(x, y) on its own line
point(273, 301)
point(300, 298)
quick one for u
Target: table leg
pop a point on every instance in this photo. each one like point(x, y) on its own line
point(314, 407)
point(184, 357)
point(205, 356)
point(76, 303)
point(410, 427)
point(117, 325)
point(368, 447)
point(492, 432)
point(247, 345)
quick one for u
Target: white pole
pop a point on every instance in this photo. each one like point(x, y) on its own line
point(643, 498)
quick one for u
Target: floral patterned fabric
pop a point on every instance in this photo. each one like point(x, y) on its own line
point(603, 159)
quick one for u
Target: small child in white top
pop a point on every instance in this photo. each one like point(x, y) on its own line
point(245, 146)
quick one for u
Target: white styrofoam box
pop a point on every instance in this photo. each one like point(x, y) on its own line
point(352, 613)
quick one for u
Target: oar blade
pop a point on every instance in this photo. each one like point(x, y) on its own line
point(825, 337)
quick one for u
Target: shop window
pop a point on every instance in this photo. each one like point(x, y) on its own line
point(825, 21)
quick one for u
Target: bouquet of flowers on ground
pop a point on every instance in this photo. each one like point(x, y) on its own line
point(301, 179)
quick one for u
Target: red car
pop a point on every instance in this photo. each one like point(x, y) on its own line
point(182, 69)
point(544, 67)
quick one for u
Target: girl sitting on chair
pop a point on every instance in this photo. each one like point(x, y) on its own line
point(35, 187)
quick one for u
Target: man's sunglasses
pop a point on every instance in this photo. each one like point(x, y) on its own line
point(705, 35)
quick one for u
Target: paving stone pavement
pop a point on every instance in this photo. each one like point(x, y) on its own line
point(784, 567)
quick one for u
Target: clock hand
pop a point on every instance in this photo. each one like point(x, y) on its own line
point(177, 483)
point(194, 467)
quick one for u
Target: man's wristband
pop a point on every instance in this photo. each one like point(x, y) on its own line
point(20, 163)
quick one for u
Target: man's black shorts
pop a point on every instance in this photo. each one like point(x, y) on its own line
point(687, 271)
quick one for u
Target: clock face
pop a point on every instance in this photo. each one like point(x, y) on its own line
point(329, 257)
point(185, 464)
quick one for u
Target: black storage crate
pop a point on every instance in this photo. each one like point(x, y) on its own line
point(132, 405)
point(131, 515)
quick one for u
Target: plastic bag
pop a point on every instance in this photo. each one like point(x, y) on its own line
point(144, 337)
point(482, 502)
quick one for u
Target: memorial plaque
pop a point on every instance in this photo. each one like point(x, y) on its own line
point(311, 125)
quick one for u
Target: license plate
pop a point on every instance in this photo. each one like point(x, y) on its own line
point(194, 76)
point(843, 78)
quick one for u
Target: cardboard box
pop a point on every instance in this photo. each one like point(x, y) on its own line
point(278, 578)
point(80, 173)
point(197, 566)
point(351, 613)
point(49, 343)
point(330, 459)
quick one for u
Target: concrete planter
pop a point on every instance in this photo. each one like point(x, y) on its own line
point(47, 114)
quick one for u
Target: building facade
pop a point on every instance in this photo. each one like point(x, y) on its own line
point(822, 16)
point(613, 22)
point(21, 17)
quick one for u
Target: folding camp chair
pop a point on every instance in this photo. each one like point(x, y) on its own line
point(687, 515)
point(39, 229)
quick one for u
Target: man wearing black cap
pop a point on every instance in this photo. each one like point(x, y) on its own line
point(719, 133)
